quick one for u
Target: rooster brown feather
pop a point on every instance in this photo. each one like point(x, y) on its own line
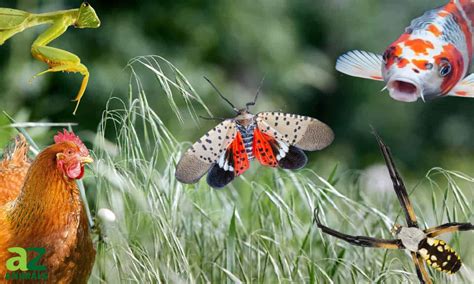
point(42, 208)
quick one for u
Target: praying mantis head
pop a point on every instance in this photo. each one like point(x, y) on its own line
point(87, 18)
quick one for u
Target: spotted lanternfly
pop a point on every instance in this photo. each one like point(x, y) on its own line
point(273, 138)
point(420, 243)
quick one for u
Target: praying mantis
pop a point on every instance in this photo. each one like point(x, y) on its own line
point(14, 21)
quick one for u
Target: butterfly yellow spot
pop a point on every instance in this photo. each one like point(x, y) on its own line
point(445, 263)
point(440, 248)
point(449, 257)
point(434, 258)
point(430, 241)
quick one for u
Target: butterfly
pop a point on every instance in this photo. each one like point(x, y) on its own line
point(275, 139)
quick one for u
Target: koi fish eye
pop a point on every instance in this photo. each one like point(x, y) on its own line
point(444, 69)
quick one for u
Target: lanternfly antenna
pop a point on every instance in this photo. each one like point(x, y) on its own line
point(221, 95)
point(256, 95)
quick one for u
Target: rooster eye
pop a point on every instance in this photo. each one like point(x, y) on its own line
point(445, 69)
point(69, 152)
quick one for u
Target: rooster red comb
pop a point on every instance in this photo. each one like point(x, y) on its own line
point(70, 136)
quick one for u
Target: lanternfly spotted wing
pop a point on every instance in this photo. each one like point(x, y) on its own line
point(273, 138)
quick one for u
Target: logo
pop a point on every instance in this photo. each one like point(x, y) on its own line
point(20, 268)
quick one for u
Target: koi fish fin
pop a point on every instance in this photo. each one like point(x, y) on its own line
point(361, 64)
point(465, 88)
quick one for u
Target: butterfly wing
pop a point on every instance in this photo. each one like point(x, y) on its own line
point(198, 159)
point(303, 132)
point(233, 162)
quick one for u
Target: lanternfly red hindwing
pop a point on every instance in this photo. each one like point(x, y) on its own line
point(273, 138)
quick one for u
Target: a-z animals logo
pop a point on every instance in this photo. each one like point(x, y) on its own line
point(20, 268)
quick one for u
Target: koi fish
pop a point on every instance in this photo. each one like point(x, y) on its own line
point(430, 60)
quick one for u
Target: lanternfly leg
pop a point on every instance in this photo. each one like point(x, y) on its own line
point(358, 240)
point(423, 275)
point(448, 228)
point(398, 184)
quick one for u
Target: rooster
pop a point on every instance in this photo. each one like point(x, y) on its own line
point(40, 207)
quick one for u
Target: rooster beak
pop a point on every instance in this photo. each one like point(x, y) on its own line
point(86, 160)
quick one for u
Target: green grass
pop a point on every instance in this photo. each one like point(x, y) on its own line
point(258, 229)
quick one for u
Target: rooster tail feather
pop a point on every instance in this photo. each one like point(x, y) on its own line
point(17, 150)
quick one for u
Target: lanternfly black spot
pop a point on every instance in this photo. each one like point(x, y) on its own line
point(294, 159)
point(218, 177)
point(288, 123)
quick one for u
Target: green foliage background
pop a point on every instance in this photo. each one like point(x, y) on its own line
point(292, 43)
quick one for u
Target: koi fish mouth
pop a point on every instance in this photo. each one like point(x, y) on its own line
point(404, 90)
